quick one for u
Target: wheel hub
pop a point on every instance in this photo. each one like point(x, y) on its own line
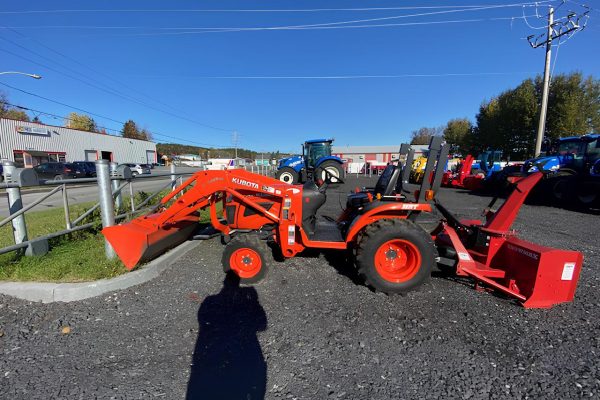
point(391, 254)
point(397, 260)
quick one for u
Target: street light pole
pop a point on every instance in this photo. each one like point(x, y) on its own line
point(34, 76)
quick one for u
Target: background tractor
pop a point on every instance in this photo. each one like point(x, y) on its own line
point(574, 167)
point(315, 164)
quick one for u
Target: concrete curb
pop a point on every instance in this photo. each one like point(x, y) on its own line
point(48, 292)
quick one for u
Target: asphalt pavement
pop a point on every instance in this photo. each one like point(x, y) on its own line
point(312, 330)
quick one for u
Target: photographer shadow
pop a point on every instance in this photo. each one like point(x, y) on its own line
point(228, 362)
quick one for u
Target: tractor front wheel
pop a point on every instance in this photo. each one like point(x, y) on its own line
point(287, 175)
point(330, 170)
point(246, 256)
point(395, 256)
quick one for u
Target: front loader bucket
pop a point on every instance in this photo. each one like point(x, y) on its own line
point(543, 276)
point(140, 240)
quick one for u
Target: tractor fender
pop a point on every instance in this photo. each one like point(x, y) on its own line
point(332, 158)
point(386, 210)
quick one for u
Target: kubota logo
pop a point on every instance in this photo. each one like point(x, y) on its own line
point(244, 182)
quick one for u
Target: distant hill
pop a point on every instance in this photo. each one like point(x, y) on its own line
point(204, 152)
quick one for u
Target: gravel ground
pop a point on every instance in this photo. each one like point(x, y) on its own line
point(309, 330)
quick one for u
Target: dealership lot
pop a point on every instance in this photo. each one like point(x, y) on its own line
point(318, 331)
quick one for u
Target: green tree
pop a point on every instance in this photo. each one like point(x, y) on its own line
point(10, 112)
point(424, 135)
point(81, 121)
point(458, 132)
point(509, 121)
point(573, 105)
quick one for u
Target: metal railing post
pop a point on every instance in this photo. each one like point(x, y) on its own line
point(173, 176)
point(15, 203)
point(107, 210)
point(66, 206)
point(115, 186)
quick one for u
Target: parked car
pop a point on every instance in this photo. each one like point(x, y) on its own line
point(57, 171)
point(1, 173)
point(138, 169)
point(151, 166)
point(89, 167)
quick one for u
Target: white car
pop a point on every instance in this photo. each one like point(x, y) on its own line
point(138, 169)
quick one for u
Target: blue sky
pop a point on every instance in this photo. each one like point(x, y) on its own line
point(184, 80)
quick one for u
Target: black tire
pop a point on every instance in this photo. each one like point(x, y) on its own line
point(562, 187)
point(588, 194)
point(134, 173)
point(335, 170)
point(287, 175)
point(58, 178)
point(396, 235)
point(246, 256)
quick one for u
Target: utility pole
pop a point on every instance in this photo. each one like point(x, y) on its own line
point(544, 107)
point(568, 25)
point(234, 139)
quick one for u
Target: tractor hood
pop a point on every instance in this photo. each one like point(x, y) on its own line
point(290, 161)
point(546, 163)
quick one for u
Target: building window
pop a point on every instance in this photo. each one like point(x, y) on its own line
point(19, 161)
point(53, 157)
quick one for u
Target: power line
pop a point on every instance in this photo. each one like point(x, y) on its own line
point(103, 116)
point(106, 89)
point(292, 27)
point(460, 21)
point(363, 76)
point(55, 116)
point(64, 11)
point(73, 60)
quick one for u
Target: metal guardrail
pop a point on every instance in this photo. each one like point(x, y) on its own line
point(111, 180)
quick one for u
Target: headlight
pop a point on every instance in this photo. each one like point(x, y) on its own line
point(532, 169)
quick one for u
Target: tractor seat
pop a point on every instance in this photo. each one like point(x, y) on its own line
point(386, 186)
point(312, 200)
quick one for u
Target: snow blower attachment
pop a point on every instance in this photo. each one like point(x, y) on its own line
point(490, 253)
point(391, 252)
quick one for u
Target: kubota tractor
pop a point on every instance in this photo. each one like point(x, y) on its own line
point(378, 229)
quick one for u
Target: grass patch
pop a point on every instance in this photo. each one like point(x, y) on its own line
point(76, 257)
point(71, 261)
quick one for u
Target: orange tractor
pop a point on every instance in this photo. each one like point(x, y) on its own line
point(378, 228)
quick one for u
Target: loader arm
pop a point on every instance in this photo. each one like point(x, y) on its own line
point(151, 234)
point(203, 188)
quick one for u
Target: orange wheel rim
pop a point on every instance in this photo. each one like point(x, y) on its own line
point(397, 260)
point(246, 263)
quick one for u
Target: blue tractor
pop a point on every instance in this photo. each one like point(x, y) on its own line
point(573, 164)
point(315, 164)
point(490, 162)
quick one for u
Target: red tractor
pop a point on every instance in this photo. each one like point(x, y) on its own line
point(378, 227)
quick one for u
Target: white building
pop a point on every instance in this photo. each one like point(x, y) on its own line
point(29, 144)
point(375, 157)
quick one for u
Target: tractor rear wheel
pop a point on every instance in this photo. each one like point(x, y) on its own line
point(246, 256)
point(332, 170)
point(395, 256)
point(287, 175)
point(562, 186)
